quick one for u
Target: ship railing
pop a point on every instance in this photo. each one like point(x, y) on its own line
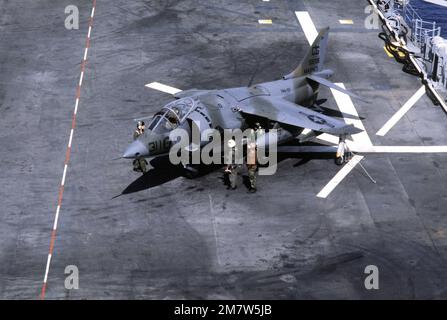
point(420, 33)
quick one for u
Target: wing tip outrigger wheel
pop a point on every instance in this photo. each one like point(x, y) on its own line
point(343, 154)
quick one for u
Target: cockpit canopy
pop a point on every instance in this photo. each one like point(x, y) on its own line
point(172, 115)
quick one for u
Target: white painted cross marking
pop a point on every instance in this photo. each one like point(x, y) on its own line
point(401, 112)
point(326, 191)
point(310, 31)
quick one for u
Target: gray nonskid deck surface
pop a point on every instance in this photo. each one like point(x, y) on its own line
point(164, 236)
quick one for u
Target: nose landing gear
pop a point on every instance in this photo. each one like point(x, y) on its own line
point(140, 165)
point(191, 171)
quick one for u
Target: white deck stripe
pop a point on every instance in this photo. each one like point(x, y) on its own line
point(345, 105)
point(306, 131)
point(401, 112)
point(328, 138)
point(400, 149)
point(47, 268)
point(85, 53)
point(93, 12)
point(56, 218)
point(89, 31)
point(80, 79)
point(163, 88)
point(76, 106)
point(310, 31)
point(71, 138)
point(63, 175)
point(326, 191)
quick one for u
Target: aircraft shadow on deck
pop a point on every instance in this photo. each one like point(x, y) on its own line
point(334, 113)
point(331, 112)
point(162, 172)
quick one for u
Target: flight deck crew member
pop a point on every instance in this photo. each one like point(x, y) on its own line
point(232, 168)
point(139, 165)
point(251, 157)
point(139, 130)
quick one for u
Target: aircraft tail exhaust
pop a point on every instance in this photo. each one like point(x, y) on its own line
point(315, 56)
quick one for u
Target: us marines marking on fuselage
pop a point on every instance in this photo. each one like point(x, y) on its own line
point(314, 61)
point(311, 70)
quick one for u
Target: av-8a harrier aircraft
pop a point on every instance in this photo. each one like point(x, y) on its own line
point(283, 104)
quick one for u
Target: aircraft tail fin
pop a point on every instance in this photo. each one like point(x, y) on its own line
point(315, 56)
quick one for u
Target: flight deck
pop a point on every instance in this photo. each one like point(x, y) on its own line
point(68, 100)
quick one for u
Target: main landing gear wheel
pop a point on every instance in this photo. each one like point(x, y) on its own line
point(344, 158)
point(339, 161)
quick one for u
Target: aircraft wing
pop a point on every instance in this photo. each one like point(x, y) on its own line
point(286, 112)
point(331, 85)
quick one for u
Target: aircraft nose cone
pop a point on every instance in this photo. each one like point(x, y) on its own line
point(136, 149)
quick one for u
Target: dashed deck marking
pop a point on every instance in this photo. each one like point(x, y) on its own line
point(67, 156)
point(401, 112)
point(265, 21)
